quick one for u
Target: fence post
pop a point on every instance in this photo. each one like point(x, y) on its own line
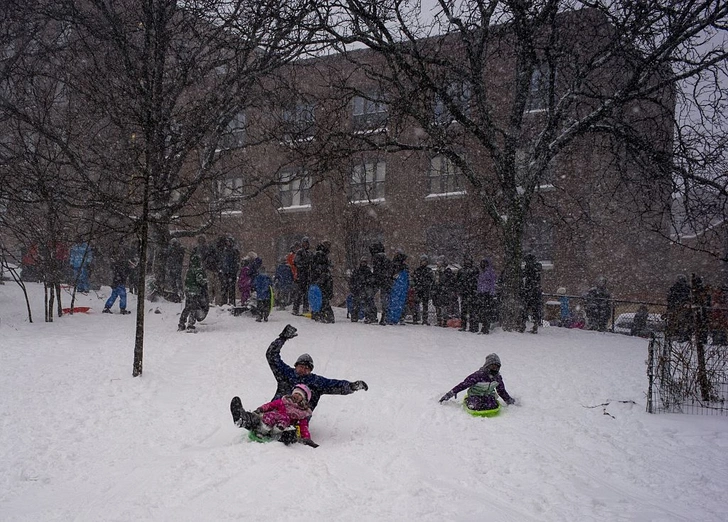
point(650, 372)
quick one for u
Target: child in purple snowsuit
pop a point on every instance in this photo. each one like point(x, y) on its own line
point(482, 387)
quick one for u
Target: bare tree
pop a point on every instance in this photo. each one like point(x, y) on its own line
point(158, 89)
point(525, 82)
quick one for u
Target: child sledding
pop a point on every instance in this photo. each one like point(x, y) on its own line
point(484, 387)
point(284, 419)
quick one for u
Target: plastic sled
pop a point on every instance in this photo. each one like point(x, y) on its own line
point(398, 297)
point(77, 310)
point(481, 413)
point(315, 299)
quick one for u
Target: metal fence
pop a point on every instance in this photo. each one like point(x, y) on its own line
point(576, 312)
point(687, 377)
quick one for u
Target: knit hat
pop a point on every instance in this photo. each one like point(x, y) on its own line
point(305, 391)
point(305, 359)
point(492, 359)
point(561, 291)
point(424, 257)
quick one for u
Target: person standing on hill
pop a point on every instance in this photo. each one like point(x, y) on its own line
point(302, 262)
point(423, 279)
point(195, 294)
point(531, 295)
point(121, 267)
point(466, 282)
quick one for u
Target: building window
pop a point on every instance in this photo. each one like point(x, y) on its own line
point(234, 136)
point(367, 181)
point(538, 91)
point(444, 177)
point(295, 192)
point(457, 95)
point(369, 112)
point(538, 238)
point(230, 188)
point(299, 121)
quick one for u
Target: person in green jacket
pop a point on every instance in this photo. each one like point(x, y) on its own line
point(195, 293)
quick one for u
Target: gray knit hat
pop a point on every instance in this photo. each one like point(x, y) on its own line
point(492, 359)
point(306, 360)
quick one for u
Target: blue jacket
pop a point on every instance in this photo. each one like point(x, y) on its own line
point(287, 378)
point(262, 284)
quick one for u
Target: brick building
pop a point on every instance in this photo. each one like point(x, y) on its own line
point(339, 180)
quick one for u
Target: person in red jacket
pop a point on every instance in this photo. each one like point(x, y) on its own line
point(279, 418)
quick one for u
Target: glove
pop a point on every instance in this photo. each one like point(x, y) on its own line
point(510, 402)
point(289, 332)
point(358, 385)
point(449, 395)
point(258, 411)
point(308, 442)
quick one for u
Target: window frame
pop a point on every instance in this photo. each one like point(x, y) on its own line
point(367, 181)
point(291, 194)
point(449, 176)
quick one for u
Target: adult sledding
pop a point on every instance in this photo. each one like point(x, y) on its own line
point(286, 417)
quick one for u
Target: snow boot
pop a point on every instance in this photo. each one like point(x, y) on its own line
point(181, 328)
point(236, 408)
point(106, 311)
point(124, 312)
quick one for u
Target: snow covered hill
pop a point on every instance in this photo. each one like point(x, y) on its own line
point(82, 440)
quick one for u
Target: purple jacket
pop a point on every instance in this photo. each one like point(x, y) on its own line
point(483, 402)
point(487, 280)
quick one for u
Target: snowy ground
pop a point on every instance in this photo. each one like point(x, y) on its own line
point(82, 440)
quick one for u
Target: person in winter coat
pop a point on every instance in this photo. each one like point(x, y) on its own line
point(400, 269)
point(466, 283)
point(719, 316)
point(122, 267)
point(288, 377)
point(262, 285)
point(485, 296)
point(283, 284)
point(598, 306)
point(279, 418)
point(229, 270)
point(80, 258)
point(531, 294)
point(361, 286)
point(383, 272)
point(679, 322)
point(423, 280)
point(484, 387)
point(302, 262)
point(251, 263)
point(175, 262)
point(211, 264)
point(444, 295)
point(321, 276)
point(195, 293)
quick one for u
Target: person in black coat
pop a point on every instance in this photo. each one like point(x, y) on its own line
point(175, 262)
point(679, 323)
point(444, 295)
point(321, 276)
point(302, 261)
point(531, 294)
point(361, 286)
point(466, 282)
point(383, 272)
point(423, 280)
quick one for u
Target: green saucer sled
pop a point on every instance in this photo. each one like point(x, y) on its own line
point(482, 413)
point(258, 438)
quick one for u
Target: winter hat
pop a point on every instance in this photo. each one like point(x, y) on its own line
point(561, 291)
point(363, 259)
point(305, 359)
point(424, 257)
point(305, 391)
point(492, 359)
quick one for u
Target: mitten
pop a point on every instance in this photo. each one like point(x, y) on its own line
point(358, 385)
point(289, 332)
point(449, 395)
